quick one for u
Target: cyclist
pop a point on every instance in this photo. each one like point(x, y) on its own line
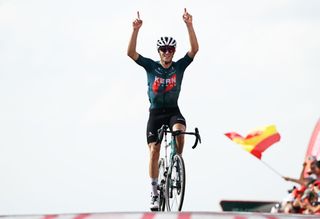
point(164, 84)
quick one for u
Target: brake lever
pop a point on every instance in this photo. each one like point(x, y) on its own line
point(198, 138)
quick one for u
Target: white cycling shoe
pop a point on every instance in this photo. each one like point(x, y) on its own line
point(154, 205)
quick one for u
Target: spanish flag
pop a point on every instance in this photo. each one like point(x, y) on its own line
point(256, 141)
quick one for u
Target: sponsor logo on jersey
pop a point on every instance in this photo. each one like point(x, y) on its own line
point(161, 85)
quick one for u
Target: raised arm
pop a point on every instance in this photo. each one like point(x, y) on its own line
point(194, 46)
point(299, 181)
point(302, 180)
point(131, 52)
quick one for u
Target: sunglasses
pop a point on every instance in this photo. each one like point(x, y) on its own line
point(164, 49)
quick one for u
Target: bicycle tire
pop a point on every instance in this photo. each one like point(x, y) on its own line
point(162, 183)
point(175, 184)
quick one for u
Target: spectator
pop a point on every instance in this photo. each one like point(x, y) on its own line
point(308, 166)
point(306, 198)
point(314, 208)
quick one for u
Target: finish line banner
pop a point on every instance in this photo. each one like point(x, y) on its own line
point(163, 215)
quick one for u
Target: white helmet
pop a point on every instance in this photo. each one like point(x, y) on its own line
point(166, 41)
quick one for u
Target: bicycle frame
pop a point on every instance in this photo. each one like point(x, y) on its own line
point(173, 149)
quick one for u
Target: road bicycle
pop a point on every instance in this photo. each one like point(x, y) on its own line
point(172, 172)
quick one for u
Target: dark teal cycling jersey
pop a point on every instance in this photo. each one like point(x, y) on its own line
point(164, 84)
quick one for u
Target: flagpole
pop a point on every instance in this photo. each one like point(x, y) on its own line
point(267, 165)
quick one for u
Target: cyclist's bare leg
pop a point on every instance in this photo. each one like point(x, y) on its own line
point(153, 161)
point(180, 138)
point(154, 172)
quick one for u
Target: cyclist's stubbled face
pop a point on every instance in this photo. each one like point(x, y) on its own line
point(166, 56)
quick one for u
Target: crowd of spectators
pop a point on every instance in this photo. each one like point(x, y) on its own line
point(305, 197)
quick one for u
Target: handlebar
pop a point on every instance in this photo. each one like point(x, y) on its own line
point(164, 129)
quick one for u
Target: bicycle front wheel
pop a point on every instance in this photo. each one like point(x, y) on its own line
point(162, 182)
point(175, 184)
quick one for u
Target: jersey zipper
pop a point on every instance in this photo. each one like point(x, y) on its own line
point(164, 91)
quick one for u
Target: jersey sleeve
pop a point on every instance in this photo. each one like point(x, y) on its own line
point(146, 63)
point(184, 62)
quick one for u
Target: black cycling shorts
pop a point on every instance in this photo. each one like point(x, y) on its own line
point(159, 117)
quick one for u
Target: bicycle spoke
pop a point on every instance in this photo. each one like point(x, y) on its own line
point(176, 185)
point(161, 186)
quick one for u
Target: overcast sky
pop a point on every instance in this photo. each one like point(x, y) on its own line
point(74, 106)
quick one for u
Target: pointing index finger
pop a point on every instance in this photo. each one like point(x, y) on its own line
point(138, 14)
